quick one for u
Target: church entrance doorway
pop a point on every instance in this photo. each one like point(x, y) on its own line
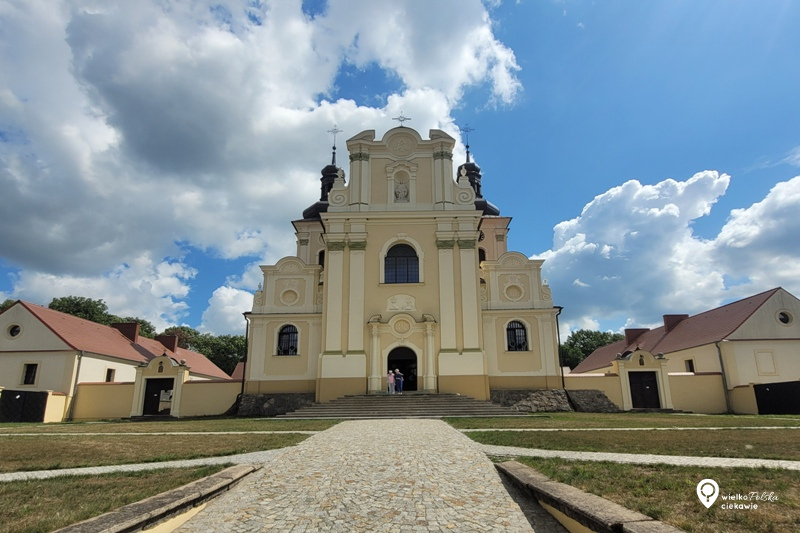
point(405, 360)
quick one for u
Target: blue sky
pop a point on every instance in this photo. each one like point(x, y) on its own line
point(154, 153)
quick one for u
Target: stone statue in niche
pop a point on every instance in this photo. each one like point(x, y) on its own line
point(401, 193)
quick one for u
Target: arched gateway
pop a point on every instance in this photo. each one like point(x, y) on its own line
point(405, 360)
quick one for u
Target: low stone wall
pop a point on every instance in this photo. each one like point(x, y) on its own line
point(273, 404)
point(592, 401)
point(532, 401)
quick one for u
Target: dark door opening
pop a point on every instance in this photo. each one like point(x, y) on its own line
point(158, 396)
point(405, 360)
point(644, 390)
point(778, 398)
point(22, 406)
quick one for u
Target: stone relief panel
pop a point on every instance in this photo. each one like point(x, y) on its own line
point(515, 287)
point(401, 302)
point(290, 291)
point(402, 145)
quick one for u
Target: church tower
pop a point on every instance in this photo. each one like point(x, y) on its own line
point(403, 266)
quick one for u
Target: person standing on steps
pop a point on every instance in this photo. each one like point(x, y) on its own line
point(390, 382)
point(398, 381)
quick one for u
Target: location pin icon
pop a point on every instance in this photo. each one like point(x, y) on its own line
point(707, 491)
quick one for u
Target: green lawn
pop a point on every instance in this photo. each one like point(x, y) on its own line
point(747, 443)
point(38, 506)
point(181, 425)
point(668, 493)
point(623, 420)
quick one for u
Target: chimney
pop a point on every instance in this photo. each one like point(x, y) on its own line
point(170, 342)
point(670, 321)
point(129, 329)
point(632, 334)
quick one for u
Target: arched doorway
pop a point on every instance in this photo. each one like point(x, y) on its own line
point(405, 360)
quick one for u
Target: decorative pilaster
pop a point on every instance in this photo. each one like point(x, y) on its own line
point(376, 370)
point(333, 302)
point(447, 295)
point(429, 377)
point(470, 299)
point(355, 337)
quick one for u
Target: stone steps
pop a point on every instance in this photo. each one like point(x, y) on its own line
point(407, 405)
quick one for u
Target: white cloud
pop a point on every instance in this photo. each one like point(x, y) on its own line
point(224, 313)
point(793, 157)
point(145, 288)
point(129, 127)
point(631, 255)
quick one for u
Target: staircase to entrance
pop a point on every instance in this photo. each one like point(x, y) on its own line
point(406, 405)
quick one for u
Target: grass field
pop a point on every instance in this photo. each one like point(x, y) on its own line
point(172, 426)
point(668, 493)
point(663, 492)
point(746, 443)
point(624, 420)
point(45, 505)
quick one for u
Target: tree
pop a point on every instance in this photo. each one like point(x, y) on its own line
point(225, 351)
point(186, 336)
point(80, 306)
point(97, 311)
point(5, 305)
point(146, 329)
point(583, 342)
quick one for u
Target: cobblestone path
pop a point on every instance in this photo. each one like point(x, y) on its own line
point(365, 476)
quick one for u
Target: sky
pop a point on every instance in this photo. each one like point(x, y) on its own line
point(153, 153)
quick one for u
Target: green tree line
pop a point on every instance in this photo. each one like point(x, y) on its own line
point(581, 343)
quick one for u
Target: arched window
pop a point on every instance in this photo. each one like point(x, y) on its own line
point(287, 341)
point(401, 265)
point(516, 337)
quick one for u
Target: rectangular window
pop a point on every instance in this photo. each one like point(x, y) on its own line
point(29, 374)
point(690, 365)
point(110, 375)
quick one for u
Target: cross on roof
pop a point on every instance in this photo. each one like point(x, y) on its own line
point(466, 128)
point(402, 118)
point(334, 131)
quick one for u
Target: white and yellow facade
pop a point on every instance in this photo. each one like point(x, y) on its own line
point(403, 266)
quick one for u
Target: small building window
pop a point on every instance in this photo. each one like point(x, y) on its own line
point(287, 341)
point(321, 260)
point(516, 336)
point(29, 373)
point(401, 265)
point(784, 318)
point(481, 255)
point(14, 330)
point(110, 375)
point(690, 365)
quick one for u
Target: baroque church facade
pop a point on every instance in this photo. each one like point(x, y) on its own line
point(402, 265)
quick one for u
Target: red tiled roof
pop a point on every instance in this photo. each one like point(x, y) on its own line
point(698, 330)
point(92, 337)
point(200, 364)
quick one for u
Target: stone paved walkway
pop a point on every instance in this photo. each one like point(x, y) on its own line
point(377, 475)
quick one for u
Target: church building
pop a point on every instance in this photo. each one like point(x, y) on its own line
point(404, 265)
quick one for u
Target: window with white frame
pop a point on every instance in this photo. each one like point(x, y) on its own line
point(401, 265)
point(287, 340)
point(516, 337)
